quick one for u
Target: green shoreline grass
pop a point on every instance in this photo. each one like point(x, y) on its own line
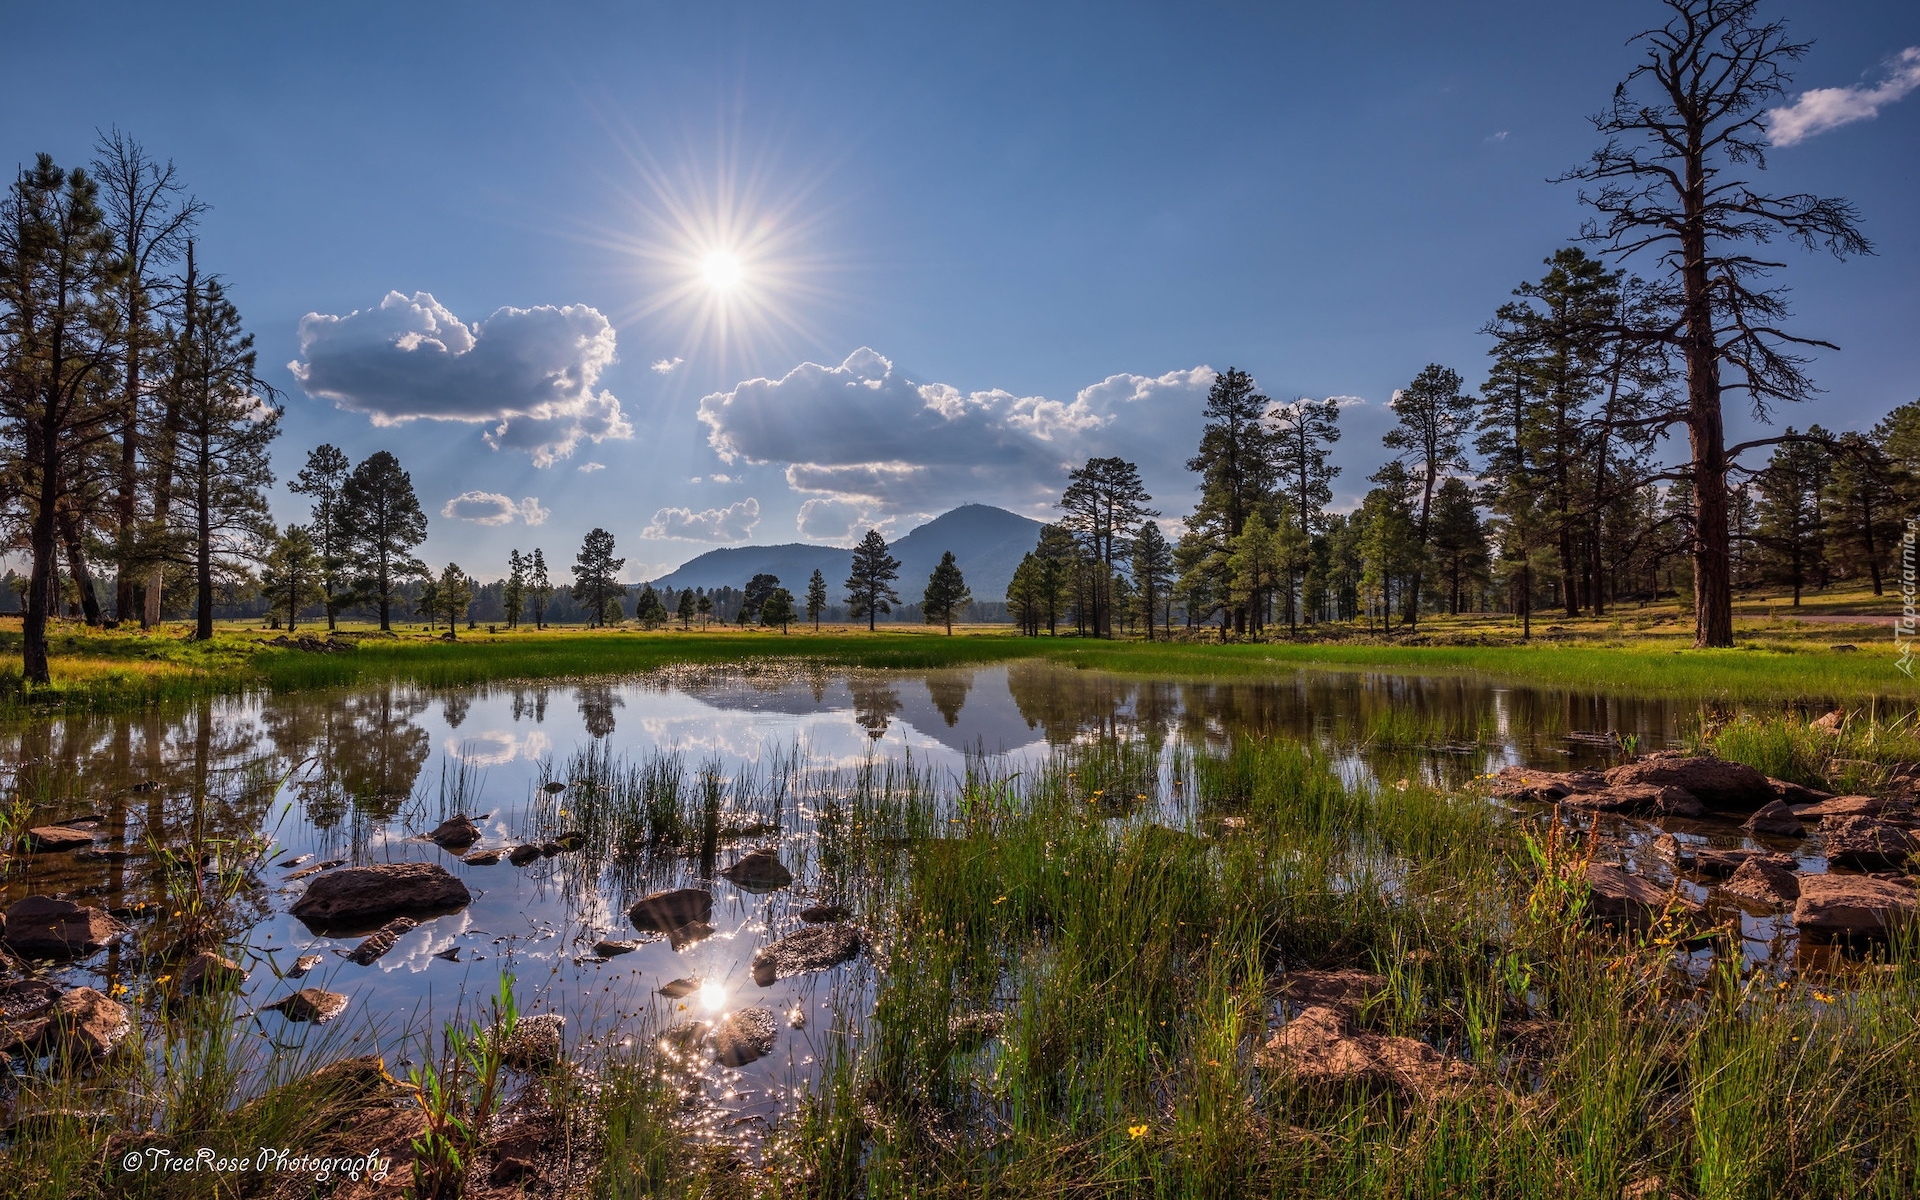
point(98, 670)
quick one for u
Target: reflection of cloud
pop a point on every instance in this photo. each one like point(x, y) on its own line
point(497, 746)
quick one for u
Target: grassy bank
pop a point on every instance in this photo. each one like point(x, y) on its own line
point(97, 669)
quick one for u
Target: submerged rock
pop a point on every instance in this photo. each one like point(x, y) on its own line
point(572, 839)
point(1839, 905)
point(310, 1004)
point(303, 964)
point(48, 838)
point(522, 855)
point(457, 831)
point(822, 914)
point(743, 1036)
point(208, 972)
point(1764, 882)
point(814, 948)
point(381, 941)
point(1614, 895)
point(534, 1042)
point(1777, 819)
point(483, 858)
point(1720, 864)
point(759, 871)
point(608, 947)
point(688, 934)
point(666, 911)
point(1342, 990)
point(1717, 782)
point(1638, 799)
point(678, 988)
point(1320, 1050)
point(360, 894)
point(1866, 842)
point(315, 869)
point(44, 927)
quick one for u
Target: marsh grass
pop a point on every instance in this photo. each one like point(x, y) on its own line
point(1854, 757)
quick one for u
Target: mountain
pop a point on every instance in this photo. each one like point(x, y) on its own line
point(987, 542)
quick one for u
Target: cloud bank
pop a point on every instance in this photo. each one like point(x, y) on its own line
point(491, 508)
point(1821, 109)
point(530, 374)
point(875, 443)
point(734, 523)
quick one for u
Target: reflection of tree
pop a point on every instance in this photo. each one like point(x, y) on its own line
point(948, 690)
point(1063, 704)
point(454, 707)
point(367, 749)
point(530, 701)
point(875, 701)
point(597, 702)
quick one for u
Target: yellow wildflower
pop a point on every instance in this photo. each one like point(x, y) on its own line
point(1136, 1132)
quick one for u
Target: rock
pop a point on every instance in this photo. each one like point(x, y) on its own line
point(1524, 785)
point(1717, 782)
point(1638, 799)
point(1719, 864)
point(1829, 724)
point(303, 964)
point(456, 832)
point(365, 894)
point(553, 787)
point(508, 1171)
point(26, 997)
point(293, 860)
point(82, 1023)
point(483, 858)
point(1777, 819)
point(664, 912)
point(381, 941)
point(310, 1004)
point(1344, 991)
point(208, 972)
point(1840, 806)
point(43, 927)
point(572, 839)
point(811, 949)
point(608, 947)
point(1866, 842)
point(47, 838)
point(315, 869)
point(1764, 882)
point(1838, 905)
point(678, 988)
point(1797, 793)
point(822, 914)
point(534, 1042)
point(522, 855)
point(743, 1036)
point(759, 871)
point(1614, 895)
point(688, 934)
point(450, 954)
point(1319, 1049)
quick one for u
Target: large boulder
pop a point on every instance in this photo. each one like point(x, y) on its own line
point(45, 927)
point(1320, 1050)
point(1638, 799)
point(743, 1036)
point(361, 896)
point(1614, 895)
point(814, 948)
point(1764, 882)
point(1867, 843)
point(1715, 781)
point(1525, 785)
point(1840, 905)
point(759, 871)
point(664, 912)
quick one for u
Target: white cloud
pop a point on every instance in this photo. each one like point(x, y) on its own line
point(589, 468)
point(866, 436)
point(527, 373)
point(734, 523)
point(491, 508)
point(665, 366)
point(1821, 109)
point(833, 521)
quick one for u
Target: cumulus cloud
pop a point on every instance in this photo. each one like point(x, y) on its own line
point(1821, 109)
point(833, 521)
point(528, 374)
point(665, 366)
point(491, 508)
point(875, 441)
point(734, 523)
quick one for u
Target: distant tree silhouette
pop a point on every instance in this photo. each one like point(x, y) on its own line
point(290, 577)
point(703, 604)
point(816, 598)
point(777, 609)
point(513, 593)
point(685, 609)
point(539, 587)
point(870, 585)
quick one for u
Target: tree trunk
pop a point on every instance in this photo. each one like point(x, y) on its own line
point(77, 569)
point(203, 553)
point(33, 627)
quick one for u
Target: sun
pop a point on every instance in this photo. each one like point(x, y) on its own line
point(721, 269)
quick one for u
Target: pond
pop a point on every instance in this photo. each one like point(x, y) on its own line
point(767, 755)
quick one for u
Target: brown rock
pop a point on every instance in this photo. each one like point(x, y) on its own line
point(821, 914)
point(1719, 864)
point(43, 927)
point(1344, 991)
point(483, 858)
point(310, 1004)
point(1320, 1050)
point(315, 869)
point(1829, 723)
point(457, 831)
point(522, 855)
point(208, 972)
point(361, 895)
point(759, 871)
point(48, 838)
point(1715, 781)
point(1840, 806)
point(1638, 799)
point(1776, 819)
point(743, 1036)
point(1524, 785)
point(688, 934)
point(814, 948)
point(303, 964)
point(677, 988)
point(1764, 882)
point(1614, 895)
point(1866, 842)
point(1797, 793)
point(83, 1022)
point(664, 912)
point(1838, 905)
point(381, 941)
point(534, 1041)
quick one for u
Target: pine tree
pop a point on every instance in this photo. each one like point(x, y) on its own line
point(513, 593)
point(595, 575)
point(777, 609)
point(703, 603)
point(1459, 550)
point(1303, 436)
point(1237, 477)
point(870, 585)
point(291, 576)
point(323, 480)
point(384, 524)
point(685, 608)
point(816, 598)
point(1104, 503)
point(1024, 595)
point(1152, 563)
point(1863, 498)
point(1434, 417)
point(539, 587)
point(946, 595)
point(758, 589)
point(1791, 526)
point(452, 595)
point(648, 610)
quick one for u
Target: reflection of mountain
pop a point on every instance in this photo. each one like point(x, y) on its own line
point(962, 709)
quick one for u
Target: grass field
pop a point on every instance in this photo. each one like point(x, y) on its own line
point(1645, 651)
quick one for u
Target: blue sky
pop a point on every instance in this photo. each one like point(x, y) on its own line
point(1004, 236)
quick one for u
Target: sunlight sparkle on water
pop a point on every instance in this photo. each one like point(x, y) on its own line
point(713, 995)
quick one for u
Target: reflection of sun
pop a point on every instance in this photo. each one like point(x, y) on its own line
point(713, 995)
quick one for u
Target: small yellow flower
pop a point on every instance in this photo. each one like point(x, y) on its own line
point(1002, 900)
point(1136, 1132)
point(563, 812)
point(118, 989)
point(163, 978)
point(1823, 998)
